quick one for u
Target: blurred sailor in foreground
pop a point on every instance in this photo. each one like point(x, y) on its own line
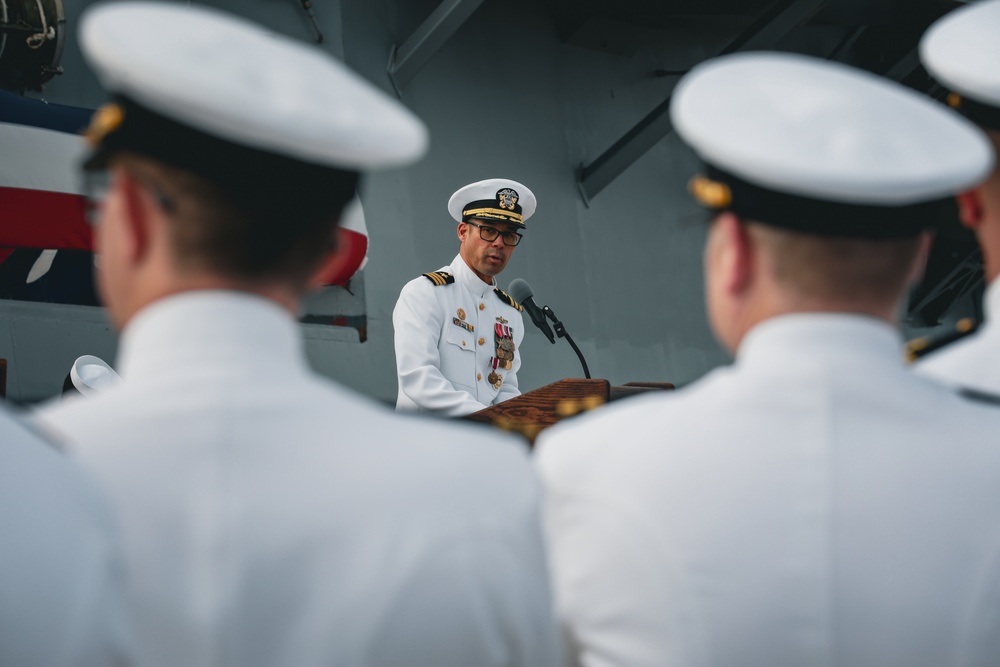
point(814, 503)
point(271, 517)
point(61, 589)
point(962, 51)
point(457, 334)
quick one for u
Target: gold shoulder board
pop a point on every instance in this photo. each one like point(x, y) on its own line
point(439, 278)
point(921, 347)
point(506, 298)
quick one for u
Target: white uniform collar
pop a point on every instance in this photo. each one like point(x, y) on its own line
point(209, 327)
point(991, 301)
point(472, 282)
point(816, 335)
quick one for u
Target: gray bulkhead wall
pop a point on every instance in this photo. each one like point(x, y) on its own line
point(502, 98)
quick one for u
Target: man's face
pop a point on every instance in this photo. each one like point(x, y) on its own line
point(486, 258)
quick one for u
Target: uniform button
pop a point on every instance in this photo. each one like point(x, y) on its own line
point(482, 306)
point(482, 341)
point(479, 377)
point(463, 343)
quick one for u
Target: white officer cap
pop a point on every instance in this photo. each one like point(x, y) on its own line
point(493, 199)
point(91, 375)
point(823, 148)
point(962, 51)
point(230, 100)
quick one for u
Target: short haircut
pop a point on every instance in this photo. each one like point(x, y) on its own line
point(278, 237)
point(874, 271)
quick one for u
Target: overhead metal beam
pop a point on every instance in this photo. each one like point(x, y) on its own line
point(406, 60)
point(934, 301)
point(905, 66)
point(596, 176)
point(847, 44)
point(782, 17)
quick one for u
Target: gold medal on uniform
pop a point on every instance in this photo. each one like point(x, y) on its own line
point(461, 314)
point(504, 336)
point(494, 378)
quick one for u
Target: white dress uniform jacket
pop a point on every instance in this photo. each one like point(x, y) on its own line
point(974, 361)
point(273, 518)
point(61, 587)
point(813, 504)
point(442, 364)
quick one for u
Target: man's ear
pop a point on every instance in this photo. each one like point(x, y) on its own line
point(137, 206)
point(970, 208)
point(463, 231)
point(334, 258)
point(737, 253)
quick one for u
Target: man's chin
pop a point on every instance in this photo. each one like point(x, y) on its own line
point(492, 269)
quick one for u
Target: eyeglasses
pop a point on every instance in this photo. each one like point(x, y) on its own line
point(97, 184)
point(491, 234)
point(95, 190)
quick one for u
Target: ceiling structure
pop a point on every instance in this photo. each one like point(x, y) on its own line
point(877, 35)
point(873, 35)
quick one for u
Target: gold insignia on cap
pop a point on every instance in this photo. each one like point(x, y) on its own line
point(712, 194)
point(954, 100)
point(965, 325)
point(494, 214)
point(507, 198)
point(105, 120)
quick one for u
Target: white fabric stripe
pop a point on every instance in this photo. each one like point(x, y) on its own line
point(353, 218)
point(38, 159)
point(41, 266)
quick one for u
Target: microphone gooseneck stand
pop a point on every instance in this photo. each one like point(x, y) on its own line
point(562, 333)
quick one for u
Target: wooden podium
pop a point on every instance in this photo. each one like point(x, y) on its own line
point(529, 414)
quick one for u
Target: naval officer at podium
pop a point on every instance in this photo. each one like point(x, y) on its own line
point(457, 334)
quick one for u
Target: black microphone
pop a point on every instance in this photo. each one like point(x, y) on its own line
point(520, 291)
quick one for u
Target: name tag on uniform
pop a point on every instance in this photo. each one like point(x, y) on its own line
point(465, 325)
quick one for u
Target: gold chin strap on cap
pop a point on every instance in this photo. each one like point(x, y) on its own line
point(712, 194)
